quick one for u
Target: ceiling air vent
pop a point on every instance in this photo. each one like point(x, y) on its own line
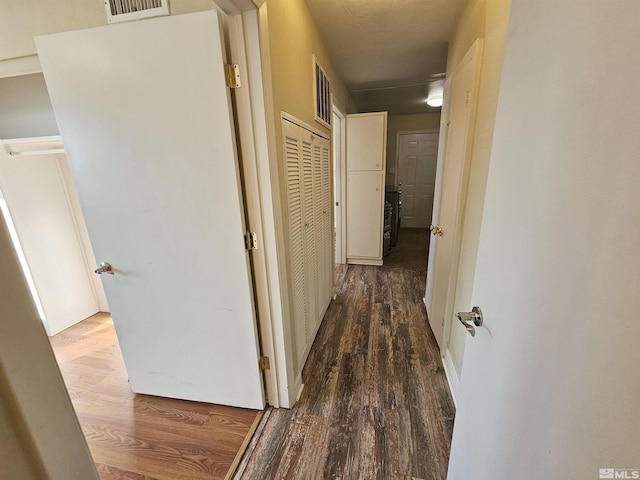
point(125, 10)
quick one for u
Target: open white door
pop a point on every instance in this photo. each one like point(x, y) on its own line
point(550, 383)
point(145, 117)
point(450, 191)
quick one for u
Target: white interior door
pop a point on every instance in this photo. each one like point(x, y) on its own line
point(417, 160)
point(36, 197)
point(550, 383)
point(441, 270)
point(145, 117)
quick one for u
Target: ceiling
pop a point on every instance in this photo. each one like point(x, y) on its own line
point(386, 50)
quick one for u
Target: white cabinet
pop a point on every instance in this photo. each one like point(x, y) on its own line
point(308, 179)
point(366, 142)
point(364, 216)
point(366, 153)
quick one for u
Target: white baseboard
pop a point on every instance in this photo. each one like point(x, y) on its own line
point(452, 376)
point(365, 261)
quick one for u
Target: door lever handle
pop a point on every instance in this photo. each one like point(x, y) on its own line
point(474, 316)
point(104, 267)
point(436, 229)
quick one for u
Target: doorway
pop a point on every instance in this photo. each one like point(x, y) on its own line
point(48, 231)
point(338, 149)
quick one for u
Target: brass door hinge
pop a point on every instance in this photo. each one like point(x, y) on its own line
point(232, 75)
point(251, 241)
point(264, 363)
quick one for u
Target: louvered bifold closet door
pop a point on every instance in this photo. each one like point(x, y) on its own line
point(319, 208)
point(327, 230)
point(293, 154)
point(310, 261)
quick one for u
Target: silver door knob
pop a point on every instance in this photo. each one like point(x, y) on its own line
point(436, 230)
point(474, 316)
point(104, 267)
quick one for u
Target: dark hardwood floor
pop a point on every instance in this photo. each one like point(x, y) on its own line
point(139, 436)
point(376, 403)
point(411, 251)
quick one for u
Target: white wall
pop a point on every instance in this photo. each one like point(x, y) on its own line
point(46, 215)
point(551, 386)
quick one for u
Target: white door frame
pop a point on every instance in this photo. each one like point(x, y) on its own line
point(338, 133)
point(244, 43)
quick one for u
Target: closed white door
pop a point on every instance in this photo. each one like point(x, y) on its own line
point(310, 233)
point(145, 117)
point(295, 216)
point(417, 160)
point(550, 382)
point(308, 181)
point(442, 266)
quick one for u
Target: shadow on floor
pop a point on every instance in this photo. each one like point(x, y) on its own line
point(412, 250)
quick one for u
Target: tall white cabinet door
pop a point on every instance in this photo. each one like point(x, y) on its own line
point(365, 217)
point(366, 153)
point(144, 113)
point(366, 142)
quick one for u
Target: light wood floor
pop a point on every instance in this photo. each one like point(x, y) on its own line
point(376, 404)
point(139, 436)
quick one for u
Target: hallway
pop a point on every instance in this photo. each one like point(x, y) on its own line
point(376, 403)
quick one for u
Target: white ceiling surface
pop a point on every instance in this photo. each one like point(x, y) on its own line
point(386, 50)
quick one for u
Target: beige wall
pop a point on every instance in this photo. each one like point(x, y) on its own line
point(488, 19)
point(291, 38)
point(405, 123)
point(471, 25)
point(38, 426)
point(18, 457)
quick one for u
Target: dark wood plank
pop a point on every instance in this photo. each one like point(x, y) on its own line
point(141, 437)
point(376, 403)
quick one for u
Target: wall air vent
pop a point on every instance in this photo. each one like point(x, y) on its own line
point(125, 10)
point(321, 94)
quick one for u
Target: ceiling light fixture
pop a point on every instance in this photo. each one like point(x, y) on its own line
point(436, 92)
point(434, 100)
